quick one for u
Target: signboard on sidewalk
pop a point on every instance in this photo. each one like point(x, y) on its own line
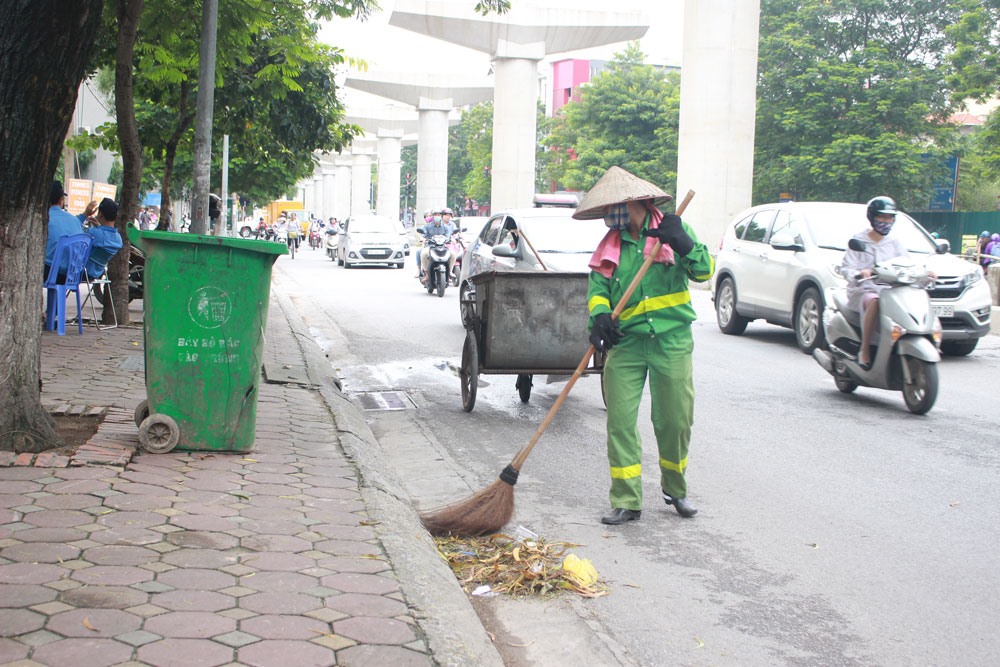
point(102, 190)
point(79, 194)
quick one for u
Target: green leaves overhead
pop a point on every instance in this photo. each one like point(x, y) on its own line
point(852, 99)
point(627, 116)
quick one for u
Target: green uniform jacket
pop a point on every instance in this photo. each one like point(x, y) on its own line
point(661, 303)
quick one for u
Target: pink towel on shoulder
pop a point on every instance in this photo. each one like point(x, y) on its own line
point(609, 251)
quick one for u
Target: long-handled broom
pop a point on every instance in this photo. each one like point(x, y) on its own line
point(489, 510)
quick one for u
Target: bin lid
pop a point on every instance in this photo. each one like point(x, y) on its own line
point(142, 239)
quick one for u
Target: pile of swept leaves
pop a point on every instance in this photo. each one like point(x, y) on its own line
point(513, 567)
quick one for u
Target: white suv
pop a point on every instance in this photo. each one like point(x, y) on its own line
point(777, 263)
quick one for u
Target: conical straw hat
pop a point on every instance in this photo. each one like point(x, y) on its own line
point(617, 186)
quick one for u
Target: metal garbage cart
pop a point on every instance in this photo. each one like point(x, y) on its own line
point(524, 323)
point(205, 310)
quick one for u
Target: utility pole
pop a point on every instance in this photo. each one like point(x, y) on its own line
point(203, 117)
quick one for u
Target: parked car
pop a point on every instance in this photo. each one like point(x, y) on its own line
point(777, 262)
point(562, 243)
point(371, 239)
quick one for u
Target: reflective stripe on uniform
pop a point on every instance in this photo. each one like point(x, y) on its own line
point(628, 472)
point(711, 271)
point(676, 467)
point(596, 301)
point(656, 303)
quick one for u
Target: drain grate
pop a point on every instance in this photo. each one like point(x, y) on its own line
point(385, 400)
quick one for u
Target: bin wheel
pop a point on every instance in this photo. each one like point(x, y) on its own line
point(523, 385)
point(469, 373)
point(141, 412)
point(159, 434)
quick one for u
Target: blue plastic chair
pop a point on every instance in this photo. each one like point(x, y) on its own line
point(73, 251)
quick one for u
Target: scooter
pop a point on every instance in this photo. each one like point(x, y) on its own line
point(331, 244)
point(457, 246)
point(907, 341)
point(437, 267)
point(314, 239)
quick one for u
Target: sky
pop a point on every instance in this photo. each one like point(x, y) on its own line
point(391, 49)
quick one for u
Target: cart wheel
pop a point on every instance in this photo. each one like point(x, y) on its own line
point(469, 373)
point(159, 433)
point(523, 385)
point(141, 412)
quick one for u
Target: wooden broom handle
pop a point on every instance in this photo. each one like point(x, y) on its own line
point(522, 455)
point(532, 246)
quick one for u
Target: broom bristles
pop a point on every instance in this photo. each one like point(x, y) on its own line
point(483, 513)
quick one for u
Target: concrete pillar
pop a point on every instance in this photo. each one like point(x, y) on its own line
point(717, 112)
point(329, 193)
point(390, 145)
point(308, 197)
point(361, 183)
point(432, 153)
point(343, 183)
point(514, 124)
point(318, 201)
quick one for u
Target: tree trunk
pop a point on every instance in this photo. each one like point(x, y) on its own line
point(184, 120)
point(129, 12)
point(43, 57)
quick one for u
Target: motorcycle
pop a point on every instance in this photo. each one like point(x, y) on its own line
point(457, 246)
point(314, 239)
point(907, 342)
point(331, 244)
point(439, 255)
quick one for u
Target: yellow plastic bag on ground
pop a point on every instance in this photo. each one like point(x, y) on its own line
point(581, 570)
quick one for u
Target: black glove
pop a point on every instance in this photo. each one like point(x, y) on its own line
point(671, 232)
point(605, 333)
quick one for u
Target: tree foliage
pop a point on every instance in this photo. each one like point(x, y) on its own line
point(470, 155)
point(627, 116)
point(852, 98)
point(275, 95)
point(976, 56)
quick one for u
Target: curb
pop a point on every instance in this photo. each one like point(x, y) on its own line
point(454, 634)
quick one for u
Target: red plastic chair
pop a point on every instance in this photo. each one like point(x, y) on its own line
point(73, 251)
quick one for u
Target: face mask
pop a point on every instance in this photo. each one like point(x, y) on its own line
point(617, 217)
point(437, 218)
point(882, 228)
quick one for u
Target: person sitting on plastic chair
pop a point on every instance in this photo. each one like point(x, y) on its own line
point(61, 223)
point(107, 243)
point(72, 252)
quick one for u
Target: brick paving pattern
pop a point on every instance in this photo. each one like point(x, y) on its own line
point(191, 558)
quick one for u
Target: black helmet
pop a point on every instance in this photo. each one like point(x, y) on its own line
point(881, 206)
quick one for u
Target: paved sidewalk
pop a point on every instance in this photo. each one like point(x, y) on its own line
point(301, 552)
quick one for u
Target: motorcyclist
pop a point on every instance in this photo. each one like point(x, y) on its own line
point(438, 225)
point(858, 267)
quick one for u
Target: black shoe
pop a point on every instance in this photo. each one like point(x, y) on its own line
point(682, 505)
point(620, 515)
point(864, 365)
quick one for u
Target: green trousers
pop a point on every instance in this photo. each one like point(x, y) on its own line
point(666, 360)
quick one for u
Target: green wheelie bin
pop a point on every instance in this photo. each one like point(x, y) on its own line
point(205, 302)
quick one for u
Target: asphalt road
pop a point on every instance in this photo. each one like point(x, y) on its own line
point(834, 529)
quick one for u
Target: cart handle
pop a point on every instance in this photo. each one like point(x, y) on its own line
point(522, 455)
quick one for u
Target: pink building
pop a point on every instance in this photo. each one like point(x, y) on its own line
point(567, 77)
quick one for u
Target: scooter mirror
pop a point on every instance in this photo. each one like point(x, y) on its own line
point(856, 244)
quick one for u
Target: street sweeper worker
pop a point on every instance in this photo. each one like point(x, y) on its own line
point(652, 337)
